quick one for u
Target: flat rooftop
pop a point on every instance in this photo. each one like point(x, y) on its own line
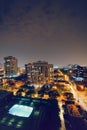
point(28, 114)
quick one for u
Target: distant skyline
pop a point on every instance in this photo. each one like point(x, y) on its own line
point(50, 30)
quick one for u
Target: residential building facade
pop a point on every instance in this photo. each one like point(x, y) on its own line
point(39, 72)
point(10, 66)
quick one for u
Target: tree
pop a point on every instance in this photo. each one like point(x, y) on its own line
point(53, 94)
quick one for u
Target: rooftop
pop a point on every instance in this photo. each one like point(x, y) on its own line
point(27, 113)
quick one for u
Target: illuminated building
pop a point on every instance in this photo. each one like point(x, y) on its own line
point(58, 75)
point(10, 66)
point(50, 73)
point(1, 74)
point(40, 71)
point(29, 71)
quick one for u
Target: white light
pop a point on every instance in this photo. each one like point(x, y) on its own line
point(20, 110)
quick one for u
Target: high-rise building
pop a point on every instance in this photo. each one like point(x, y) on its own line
point(1, 73)
point(10, 66)
point(50, 72)
point(40, 72)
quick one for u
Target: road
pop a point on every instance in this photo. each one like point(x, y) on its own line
point(77, 97)
point(61, 116)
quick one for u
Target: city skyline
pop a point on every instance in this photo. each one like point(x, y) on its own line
point(54, 31)
point(39, 61)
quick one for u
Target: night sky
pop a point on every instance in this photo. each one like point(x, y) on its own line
point(50, 30)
